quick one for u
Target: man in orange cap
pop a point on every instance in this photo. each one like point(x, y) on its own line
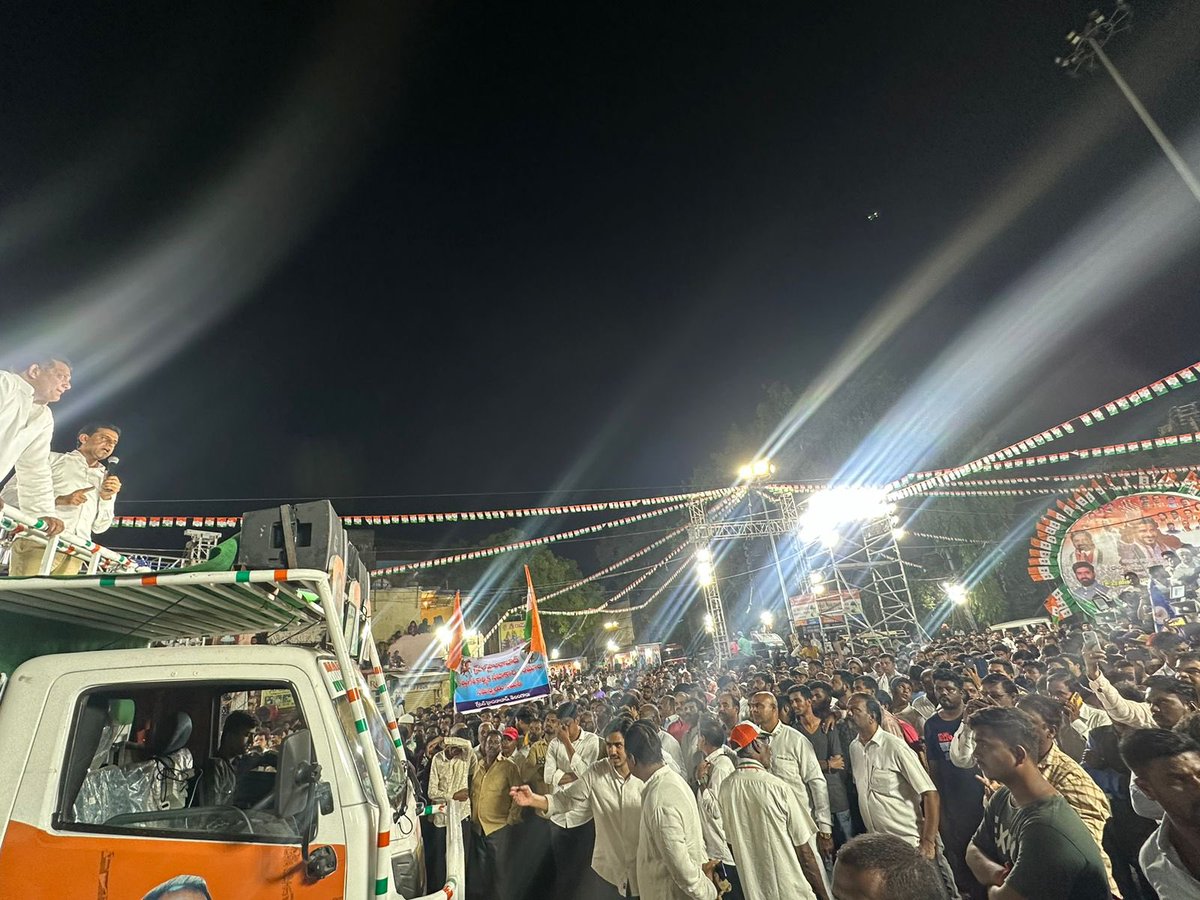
point(767, 826)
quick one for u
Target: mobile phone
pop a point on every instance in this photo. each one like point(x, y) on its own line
point(1091, 641)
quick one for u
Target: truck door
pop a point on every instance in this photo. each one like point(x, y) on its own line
point(176, 789)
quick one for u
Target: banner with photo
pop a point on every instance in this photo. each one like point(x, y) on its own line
point(1154, 536)
point(501, 679)
point(829, 608)
point(512, 635)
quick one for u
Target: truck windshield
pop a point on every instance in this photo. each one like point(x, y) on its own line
point(395, 776)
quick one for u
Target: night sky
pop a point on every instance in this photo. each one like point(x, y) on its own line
point(507, 252)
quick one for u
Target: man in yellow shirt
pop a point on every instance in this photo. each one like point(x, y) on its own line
point(493, 813)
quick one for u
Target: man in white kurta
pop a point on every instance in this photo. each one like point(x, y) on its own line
point(671, 862)
point(767, 826)
point(26, 427)
point(794, 760)
point(614, 798)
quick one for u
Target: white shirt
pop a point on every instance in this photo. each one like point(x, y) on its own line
point(446, 778)
point(671, 853)
point(70, 472)
point(1165, 870)
point(1127, 712)
point(616, 806)
point(794, 760)
point(890, 782)
point(708, 801)
point(672, 754)
point(765, 822)
point(962, 746)
point(558, 764)
point(25, 431)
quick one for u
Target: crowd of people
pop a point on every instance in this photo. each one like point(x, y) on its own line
point(1061, 762)
point(1055, 762)
point(70, 492)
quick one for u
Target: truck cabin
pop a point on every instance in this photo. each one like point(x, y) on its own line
point(202, 758)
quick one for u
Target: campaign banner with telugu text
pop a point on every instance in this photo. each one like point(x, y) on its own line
point(501, 679)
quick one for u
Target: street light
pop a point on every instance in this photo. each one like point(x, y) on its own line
point(1087, 46)
point(766, 618)
point(555, 653)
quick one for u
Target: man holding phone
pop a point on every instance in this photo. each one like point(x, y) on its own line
point(572, 832)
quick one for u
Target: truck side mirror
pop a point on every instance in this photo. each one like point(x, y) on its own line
point(298, 774)
point(300, 795)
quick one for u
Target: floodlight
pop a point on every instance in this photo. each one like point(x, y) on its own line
point(766, 618)
point(709, 625)
point(704, 555)
point(612, 647)
point(756, 469)
point(839, 505)
point(443, 635)
point(957, 593)
point(816, 577)
point(898, 533)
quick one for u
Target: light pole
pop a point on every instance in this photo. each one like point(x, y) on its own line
point(1087, 46)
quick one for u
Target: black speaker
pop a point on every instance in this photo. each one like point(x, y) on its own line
point(316, 533)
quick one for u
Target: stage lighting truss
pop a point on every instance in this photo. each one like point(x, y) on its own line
point(864, 558)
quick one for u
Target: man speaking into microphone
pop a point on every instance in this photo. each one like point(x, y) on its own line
point(85, 493)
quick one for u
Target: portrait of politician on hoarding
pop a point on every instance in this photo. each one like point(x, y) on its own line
point(1116, 548)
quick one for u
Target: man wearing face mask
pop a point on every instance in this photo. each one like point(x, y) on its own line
point(84, 496)
point(26, 428)
point(614, 799)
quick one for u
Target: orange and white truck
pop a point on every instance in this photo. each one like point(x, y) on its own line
point(115, 781)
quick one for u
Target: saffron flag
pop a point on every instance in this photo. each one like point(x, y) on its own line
point(454, 653)
point(533, 624)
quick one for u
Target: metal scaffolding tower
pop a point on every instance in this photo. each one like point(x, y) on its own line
point(700, 536)
point(865, 563)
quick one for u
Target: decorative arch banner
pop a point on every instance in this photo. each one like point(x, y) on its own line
point(1145, 526)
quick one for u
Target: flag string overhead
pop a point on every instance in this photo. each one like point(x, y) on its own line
point(439, 518)
point(919, 482)
point(489, 552)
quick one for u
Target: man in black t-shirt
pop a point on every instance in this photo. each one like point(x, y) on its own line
point(960, 790)
point(1031, 843)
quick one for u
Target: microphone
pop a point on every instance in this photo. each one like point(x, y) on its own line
point(111, 463)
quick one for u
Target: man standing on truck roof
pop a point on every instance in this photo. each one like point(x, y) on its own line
point(26, 427)
point(84, 495)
